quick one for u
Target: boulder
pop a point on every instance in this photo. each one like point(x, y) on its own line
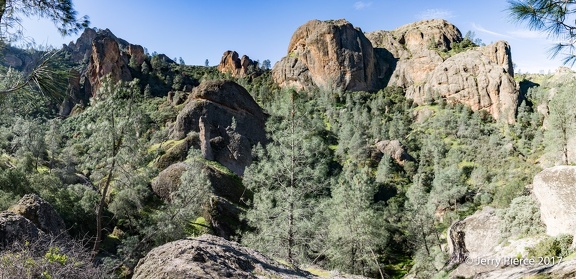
point(395, 150)
point(209, 256)
point(331, 55)
point(229, 196)
point(232, 122)
point(40, 213)
point(168, 180)
point(16, 228)
point(237, 67)
point(555, 191)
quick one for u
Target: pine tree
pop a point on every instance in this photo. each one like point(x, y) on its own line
point(287, 179)
point(356, 232)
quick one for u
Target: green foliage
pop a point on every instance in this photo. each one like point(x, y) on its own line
point(296, 162)
point(559, 246)
point(521, 219)
point(356, 231)
point(552, 17)
point(59, 260)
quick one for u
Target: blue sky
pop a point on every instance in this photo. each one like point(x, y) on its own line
point(197, 30)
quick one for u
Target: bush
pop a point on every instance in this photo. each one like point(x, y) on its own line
point(559, 246)
point(59, 260)
point(522, 218)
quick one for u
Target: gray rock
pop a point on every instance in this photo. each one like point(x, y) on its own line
point(15, 228)
point(232, 121)
point(555, 190)
point(41, 214)
point(209, 256)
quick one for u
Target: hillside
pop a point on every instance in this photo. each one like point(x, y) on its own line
point(407, 153)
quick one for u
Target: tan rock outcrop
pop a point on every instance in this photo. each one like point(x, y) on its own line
point(237, 67)
point(332, 55)
point(416, 57)
point(474, 79)
point(210, 256)
point(555, 190)
point(106, 59)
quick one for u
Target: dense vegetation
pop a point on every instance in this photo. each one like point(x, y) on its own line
point(337, 201)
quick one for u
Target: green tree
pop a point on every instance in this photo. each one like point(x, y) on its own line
point(113, 128)
point(553, 17)
point(44, 76)
point(562, 123)
point(287, 179)
point(356, 232)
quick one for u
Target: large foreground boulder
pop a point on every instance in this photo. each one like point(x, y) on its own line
point(228, 120)
point(209, 257)
point(555, 190)
point(332, 55)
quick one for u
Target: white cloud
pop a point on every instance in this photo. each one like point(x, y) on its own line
point(527, 34)
point(481, 29)
point(435, 14)
point(361, 5)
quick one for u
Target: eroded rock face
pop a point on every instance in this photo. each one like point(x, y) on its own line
point(395, 150)
point(237, 67)
point(555, 190)
point(209, 256)
point(16, 228)
point(481, 78)
point(331, 55)
point(232, 120)
point(474, 79)
point(106, 59)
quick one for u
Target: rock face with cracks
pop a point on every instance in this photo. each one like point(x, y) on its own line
point(229, 121)
point(332, 55)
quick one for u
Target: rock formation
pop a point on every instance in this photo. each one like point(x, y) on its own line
point(395, 150)
point(473, 79)
point(31, 219)
point(100, 53)
point(331, 55)
point(210, 256)
point(237, 67)
point(40, 213)
point(413, 57)
point(232, 120)
point(107, 59)
point(228, 196)
point(555, 190)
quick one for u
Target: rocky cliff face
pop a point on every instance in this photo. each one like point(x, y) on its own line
point(332, 55)
point(101, 53)
point(418, 57)
point(476, 80)
point(229, 121)
point(413, 57)
point(237, 67)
